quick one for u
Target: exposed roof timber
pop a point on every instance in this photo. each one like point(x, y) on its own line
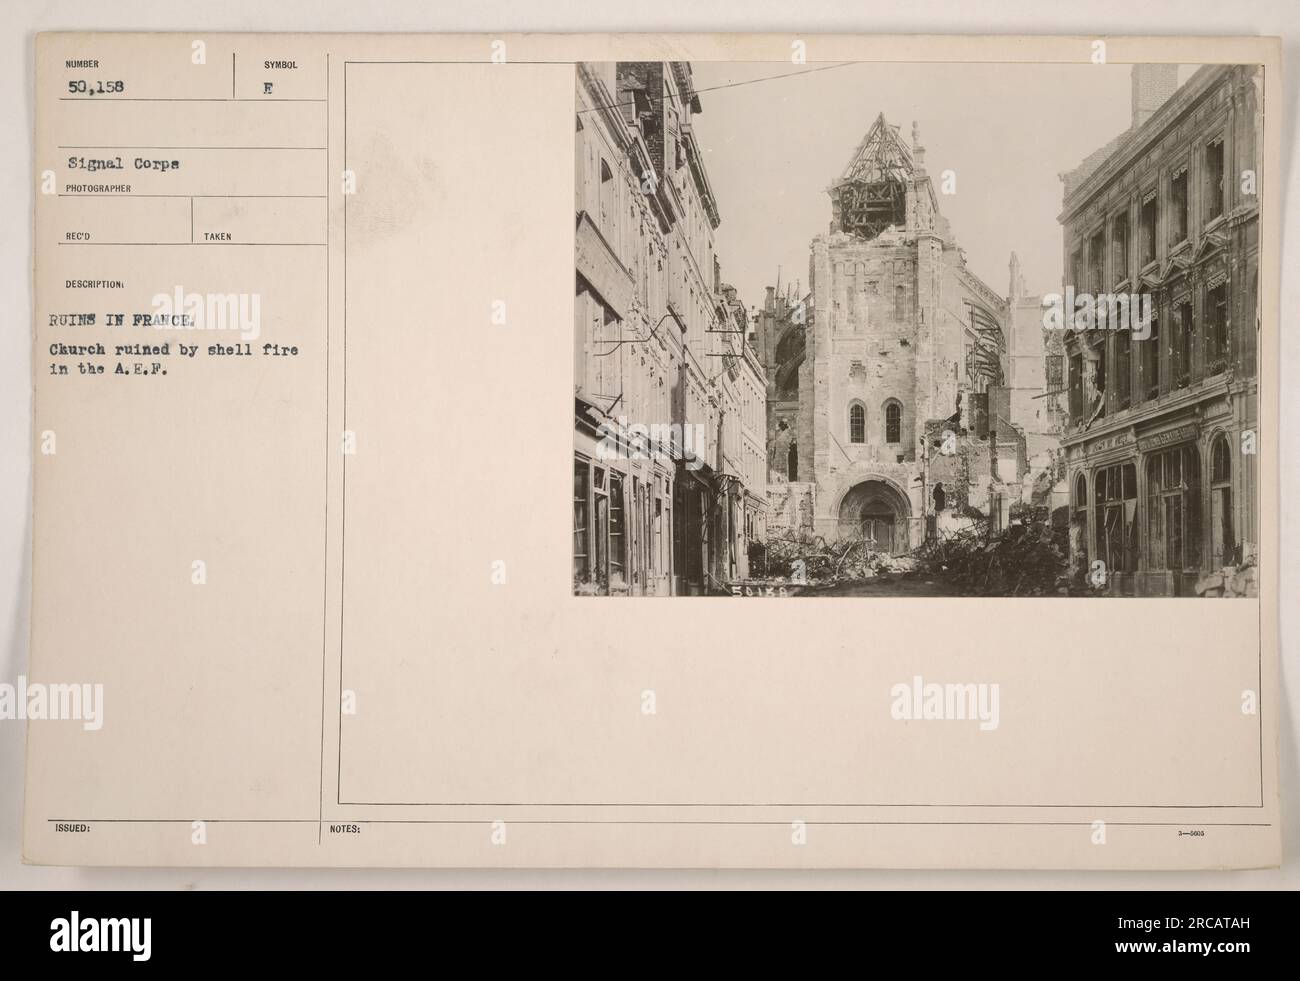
point(882, 155)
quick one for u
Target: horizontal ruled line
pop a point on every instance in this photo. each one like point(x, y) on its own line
point(616, 821)
point(804, 804)
point(73, 194)
point(88, 98)
point(143, 147)
point(170, 244)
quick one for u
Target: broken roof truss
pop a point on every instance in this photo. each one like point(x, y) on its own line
point(872, 192)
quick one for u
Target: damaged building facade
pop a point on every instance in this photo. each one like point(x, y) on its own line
point(1036, 386)
point(779, 338)
point(1160, 438)
point(670, 464)
point(889, 410)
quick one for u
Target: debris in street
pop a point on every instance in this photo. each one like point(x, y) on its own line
point(1028, 559)
point(1238, 580)
point(813, 561)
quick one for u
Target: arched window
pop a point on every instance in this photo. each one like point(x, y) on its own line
point(940, 498)
point(1220, 461)
point(893, 423)
point(857, 424)
point(1174, 509)
point(900, 302)
point(1223, 544)
point(1079, 518)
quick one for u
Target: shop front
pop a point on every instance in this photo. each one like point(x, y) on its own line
point(622, 514)
point(1157, 505)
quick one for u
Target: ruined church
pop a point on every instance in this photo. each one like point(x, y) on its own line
point(888, 403)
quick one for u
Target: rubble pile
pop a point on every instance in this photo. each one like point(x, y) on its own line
point(827, 563)
point(1239, 580)
point(1028, 559)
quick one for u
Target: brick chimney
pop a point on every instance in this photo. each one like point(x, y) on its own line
point(1152, 87)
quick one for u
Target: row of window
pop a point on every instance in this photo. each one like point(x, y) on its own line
point(893, 422)
point(607, 363)
point(753, 403)
point(648, 537)
point(621, 529)
point(1178, 202)
point(676, 271)
point(1164, 362)
point(738, 436)
point(605, 367)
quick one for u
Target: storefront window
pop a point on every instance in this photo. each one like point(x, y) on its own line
point(1115, 494)
point(617, 531)
point(581, 515)
point(1079, 532)
point(1174, 509)
point(640, 521)
point(600, 498)
point(1223, 545)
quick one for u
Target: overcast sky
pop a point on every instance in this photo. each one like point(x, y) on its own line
point(772, 148)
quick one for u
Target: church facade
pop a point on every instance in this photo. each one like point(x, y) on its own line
point(887, 379)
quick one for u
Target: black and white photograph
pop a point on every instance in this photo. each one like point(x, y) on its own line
point(916, 330)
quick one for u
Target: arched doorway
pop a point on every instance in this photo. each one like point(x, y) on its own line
point(876, 511)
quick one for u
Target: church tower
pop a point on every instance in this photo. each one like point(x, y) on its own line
point(892, 315)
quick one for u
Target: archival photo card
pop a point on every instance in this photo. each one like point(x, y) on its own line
point(370, 370)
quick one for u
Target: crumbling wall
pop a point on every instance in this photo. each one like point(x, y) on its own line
point(790, 509)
